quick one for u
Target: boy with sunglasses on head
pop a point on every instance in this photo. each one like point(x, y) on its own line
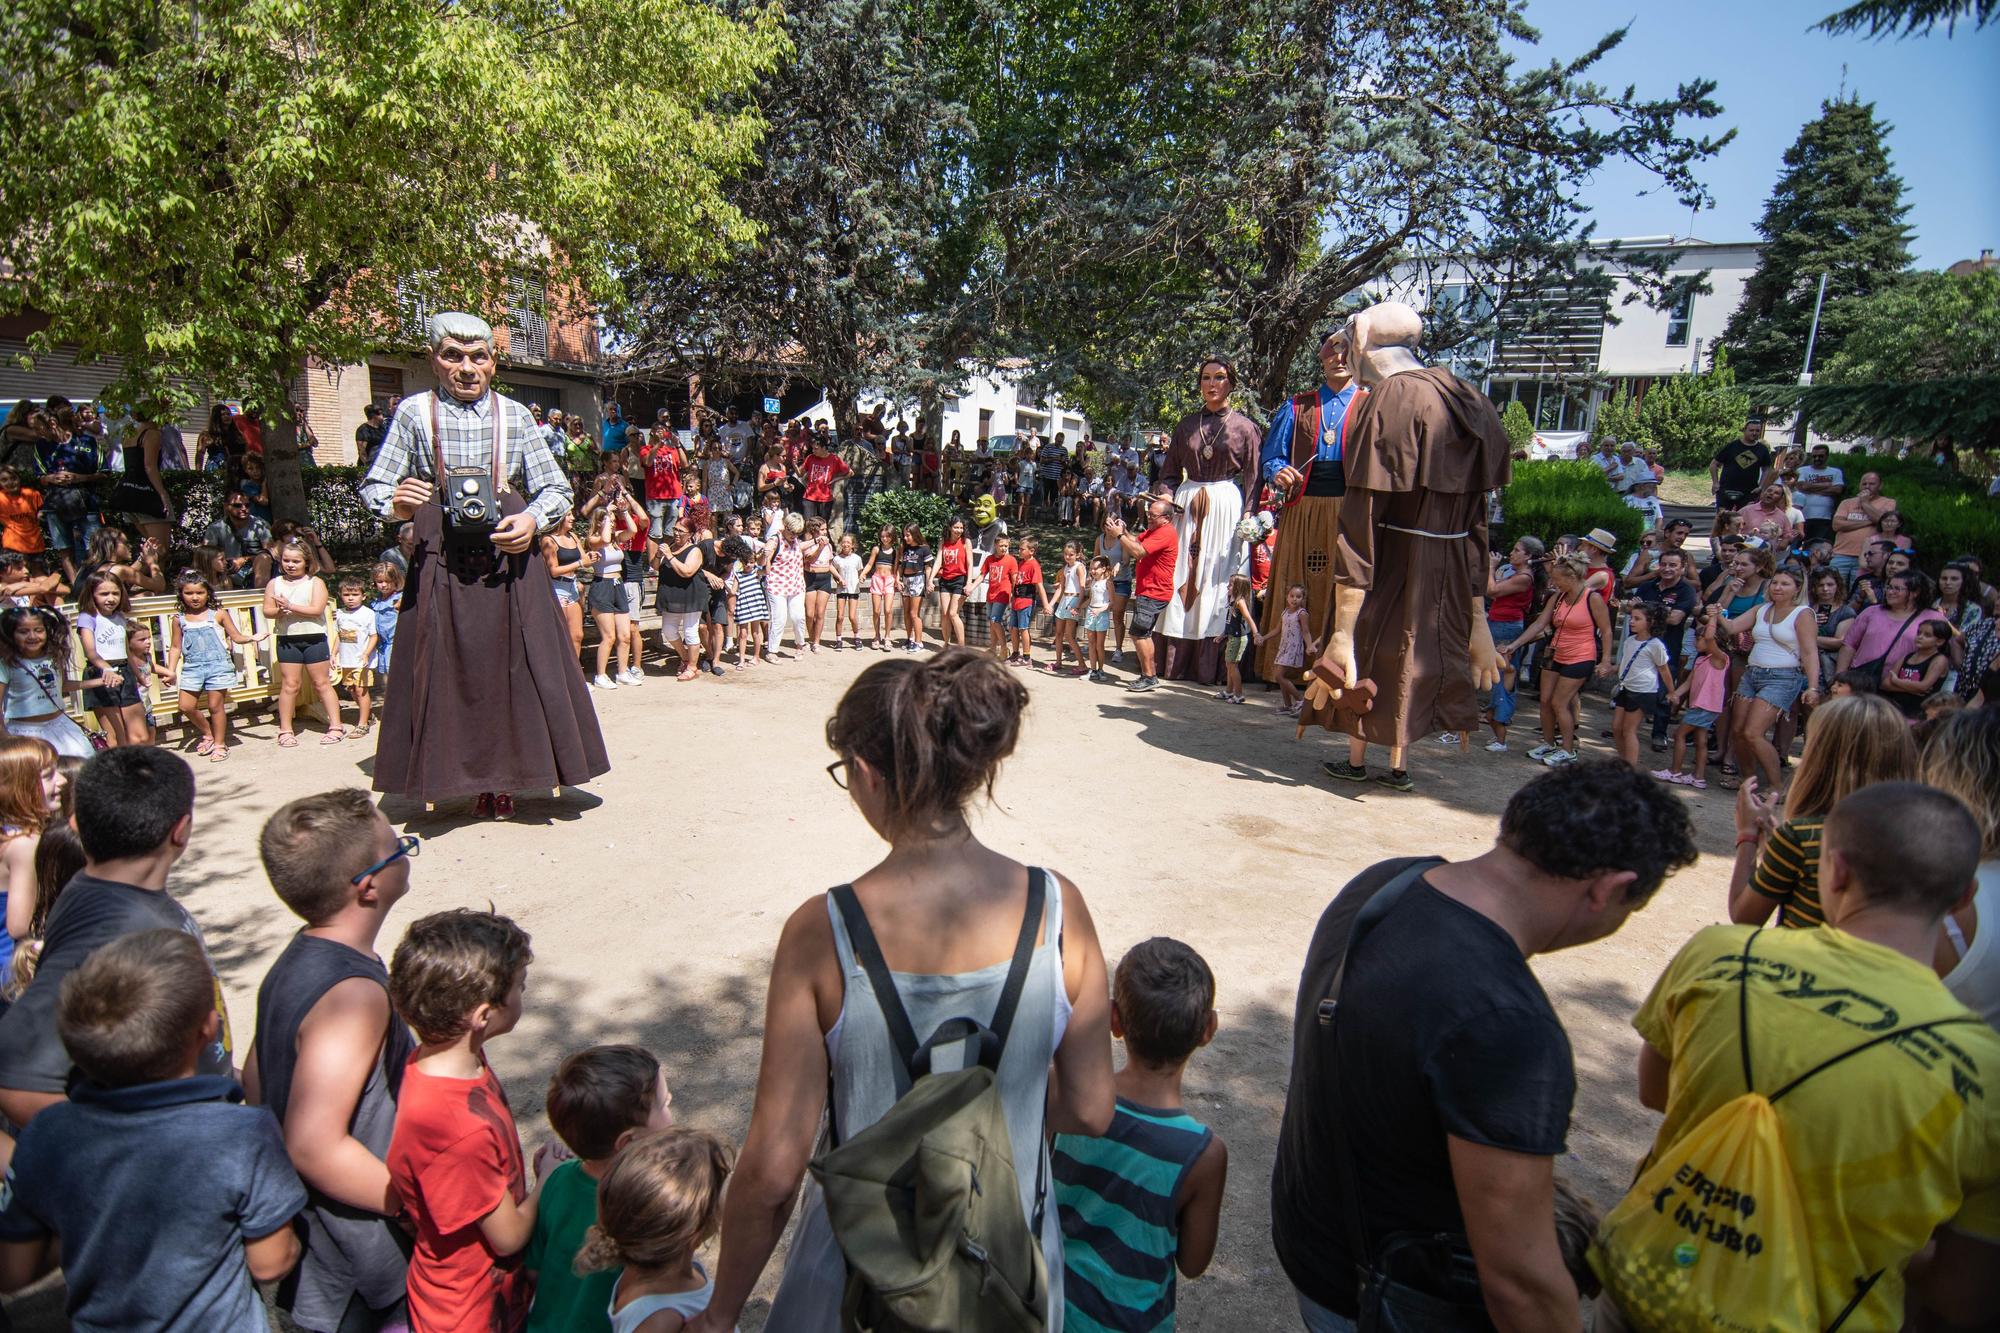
point(329, 1054)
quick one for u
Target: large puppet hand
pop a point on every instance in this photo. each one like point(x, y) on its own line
point(1338, 660)
point(515, 533)
point(1485, 657)
point(411, 492)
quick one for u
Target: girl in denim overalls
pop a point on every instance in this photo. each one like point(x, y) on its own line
point(201, 664)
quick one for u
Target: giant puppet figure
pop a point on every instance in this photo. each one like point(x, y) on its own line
point(1212, 466)
point(1301, 462)
point(485, 694)
point(1409, 647)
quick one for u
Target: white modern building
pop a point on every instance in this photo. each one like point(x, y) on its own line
point(994, 405)
point(1564, 374)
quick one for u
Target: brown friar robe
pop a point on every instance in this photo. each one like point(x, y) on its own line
point(1422, 450)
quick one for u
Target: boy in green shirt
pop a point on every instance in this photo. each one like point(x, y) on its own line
point(598, 1101)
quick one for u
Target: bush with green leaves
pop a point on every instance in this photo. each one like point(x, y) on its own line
point(1618, 420)
point(351, 531)
point(898, 508)
point(1516, 422)
point(1945, 515)
point(1549, 499)
point(1690, 416)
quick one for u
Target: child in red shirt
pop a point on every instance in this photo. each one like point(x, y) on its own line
point(20, 514)
point(999, 572)
point(455, 1158)
point(1028, 590)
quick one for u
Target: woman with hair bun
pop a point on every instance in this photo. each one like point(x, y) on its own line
point(916, 740)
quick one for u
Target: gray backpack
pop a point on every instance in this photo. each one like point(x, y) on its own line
point(924, 1203)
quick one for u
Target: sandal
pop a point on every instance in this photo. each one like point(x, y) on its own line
point(334, 736)
point(355, 732)
point(217, 755)
point(207, 746)
point(287, 741)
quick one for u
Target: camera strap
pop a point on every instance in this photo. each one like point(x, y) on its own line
point(499, 444)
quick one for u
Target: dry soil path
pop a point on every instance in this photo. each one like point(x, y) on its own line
point(655, 899)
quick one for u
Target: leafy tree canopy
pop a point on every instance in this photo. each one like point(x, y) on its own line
point(1934, 326)
point(217, 192)
point(865, 223)
point(1175, 181)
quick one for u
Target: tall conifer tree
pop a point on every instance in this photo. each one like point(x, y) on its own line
point(1838, 209)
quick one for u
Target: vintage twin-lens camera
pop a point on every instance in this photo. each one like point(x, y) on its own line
point(470, 507)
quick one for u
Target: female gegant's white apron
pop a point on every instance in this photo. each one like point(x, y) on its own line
point(1205, 555)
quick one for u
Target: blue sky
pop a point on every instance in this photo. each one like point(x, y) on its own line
point(1940, 95)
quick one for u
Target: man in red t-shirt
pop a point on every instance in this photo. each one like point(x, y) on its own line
point(1153, 552)
point(999, 571)
point(822, 468)
point(663, 460)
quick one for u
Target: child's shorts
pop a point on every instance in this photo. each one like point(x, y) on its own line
point(1024, 617)
point(1233, 646)
point(359, 676)
point(1097, 622)
point(203, 680)
point(913, 585)
point(122, 695)
point(849, 596)
point(1066, 609)
point(1699, 719)
point(1636, 701)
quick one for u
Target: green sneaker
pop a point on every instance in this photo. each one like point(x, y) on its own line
point(1396, 779)
point(1340, 768)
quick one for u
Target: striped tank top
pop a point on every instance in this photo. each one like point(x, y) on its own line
point(1119, 1198)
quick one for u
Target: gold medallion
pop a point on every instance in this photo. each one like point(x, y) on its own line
point(1331, 435)
point(1208, 451)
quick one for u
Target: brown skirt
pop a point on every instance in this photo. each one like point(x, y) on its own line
point(485, 693)
point(1306, 534)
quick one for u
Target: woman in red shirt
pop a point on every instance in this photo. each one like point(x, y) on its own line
point(954, 565)
point(820, 470)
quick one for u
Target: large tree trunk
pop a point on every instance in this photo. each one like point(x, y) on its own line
point(284, 478)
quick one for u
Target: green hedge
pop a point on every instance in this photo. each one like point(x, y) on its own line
point(1945, 514)
point(1548, 499)
point(333, 509)
point(893, 509)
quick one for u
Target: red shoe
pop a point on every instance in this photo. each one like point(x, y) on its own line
point(503, 805)
point(483, 807)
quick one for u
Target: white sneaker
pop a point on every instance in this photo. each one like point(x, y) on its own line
point(1497, 747)
point(1447, 738)
point(1543, 751)
point(604, 682)
point(1561, 757)
point(631, 678)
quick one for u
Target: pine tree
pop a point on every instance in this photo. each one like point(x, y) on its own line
point(1838, 209)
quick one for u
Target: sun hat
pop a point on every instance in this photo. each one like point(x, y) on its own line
point(1601, 539)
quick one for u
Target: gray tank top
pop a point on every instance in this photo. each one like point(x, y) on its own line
point(864, 1088)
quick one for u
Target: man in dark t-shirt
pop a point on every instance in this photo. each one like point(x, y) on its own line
point(134, 806)
point(1740, 468)
point(1442, 1079)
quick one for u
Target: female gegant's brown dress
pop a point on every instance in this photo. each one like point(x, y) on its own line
point(1422, 450)
point(484, 693)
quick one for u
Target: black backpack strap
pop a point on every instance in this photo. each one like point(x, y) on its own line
point(1379, 905)
point(1829, 1063)
point(869, 954)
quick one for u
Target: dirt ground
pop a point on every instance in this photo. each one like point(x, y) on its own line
point(654, 899)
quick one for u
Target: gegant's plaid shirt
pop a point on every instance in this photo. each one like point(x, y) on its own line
point(468, 442)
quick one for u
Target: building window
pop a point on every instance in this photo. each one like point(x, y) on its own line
point(985, 423)
point(527, 320)
point(385, 385)
point(1679, 319)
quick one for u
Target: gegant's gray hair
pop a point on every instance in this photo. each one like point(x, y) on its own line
point(459, 327)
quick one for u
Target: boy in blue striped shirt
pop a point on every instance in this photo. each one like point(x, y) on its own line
point(1145, 1199)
